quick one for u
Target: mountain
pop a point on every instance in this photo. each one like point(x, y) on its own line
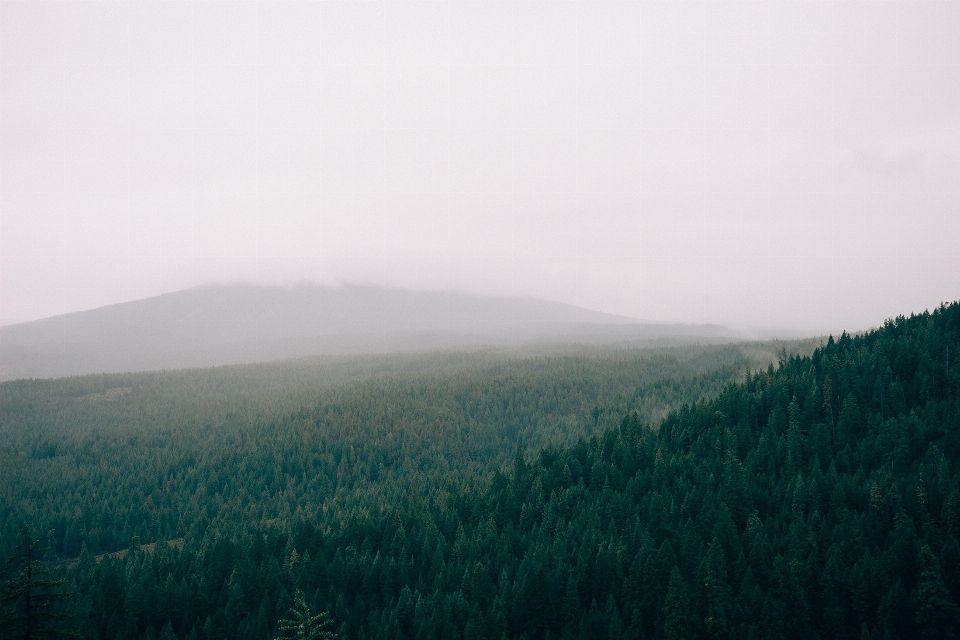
point(227, 324)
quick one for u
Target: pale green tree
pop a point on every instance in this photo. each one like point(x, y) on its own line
point(303, 624)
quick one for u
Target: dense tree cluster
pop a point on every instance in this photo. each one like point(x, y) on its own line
point(101, 459)
point(816, 498)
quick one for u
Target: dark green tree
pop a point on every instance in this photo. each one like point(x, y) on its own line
point(31, 602)
point(937, 615)
point(679, 618)
point(716, 591)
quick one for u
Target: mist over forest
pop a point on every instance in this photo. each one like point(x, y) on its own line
point(219, 325)
point(523, 320)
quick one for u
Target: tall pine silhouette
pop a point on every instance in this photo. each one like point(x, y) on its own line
point(30, 600)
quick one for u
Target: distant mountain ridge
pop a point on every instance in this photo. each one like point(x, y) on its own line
point(226, 324)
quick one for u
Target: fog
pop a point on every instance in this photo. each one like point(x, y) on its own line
point(767, 164)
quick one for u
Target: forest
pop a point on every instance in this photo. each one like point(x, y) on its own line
point(802, 490)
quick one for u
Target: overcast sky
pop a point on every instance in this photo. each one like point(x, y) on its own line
point(772, 164)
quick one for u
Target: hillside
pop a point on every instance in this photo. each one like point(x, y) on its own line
point(218, 325)
point(419, 415)
point(816, 498)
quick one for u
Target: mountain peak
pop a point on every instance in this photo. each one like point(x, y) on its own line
point(231, 323)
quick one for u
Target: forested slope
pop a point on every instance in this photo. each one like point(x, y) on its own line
point(817, 498)
point(102, 458)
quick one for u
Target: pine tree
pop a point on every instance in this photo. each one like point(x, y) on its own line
point(30, 600)
point(937, 615)
point(679, 619)
point(303, 624)
point(167, 633)
point(716, 591)
point(571, 602)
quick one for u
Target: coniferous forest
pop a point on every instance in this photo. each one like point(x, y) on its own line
point(675, 493)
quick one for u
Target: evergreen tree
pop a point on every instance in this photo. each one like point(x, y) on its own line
point(679, 618)
point(30, 600)
point(937, 615)
point(303, 624)
point(713, 576)
point(167, 633)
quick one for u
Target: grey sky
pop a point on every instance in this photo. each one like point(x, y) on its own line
point(786, 164)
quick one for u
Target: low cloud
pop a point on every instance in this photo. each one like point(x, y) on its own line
point(887, 162)
point(909, 152)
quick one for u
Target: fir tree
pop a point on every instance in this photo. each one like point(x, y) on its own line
point(713, 576)
point(303, 624)
point(30, 600)
point(937, 615)
point(679, 619)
